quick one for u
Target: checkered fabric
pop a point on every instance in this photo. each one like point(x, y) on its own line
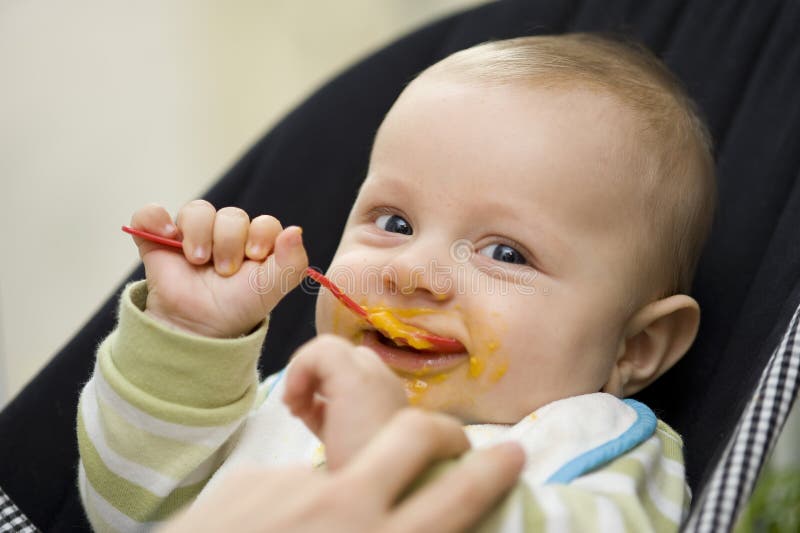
point(11, 518)
point(754, 437)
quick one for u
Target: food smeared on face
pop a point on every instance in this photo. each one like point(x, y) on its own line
point(403, 348)
point(399, 332)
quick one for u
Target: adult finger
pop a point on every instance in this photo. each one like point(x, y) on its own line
point(462, 494)
point(404, 448)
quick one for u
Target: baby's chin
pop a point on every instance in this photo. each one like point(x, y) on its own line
point(466, 414)
point(469, 402)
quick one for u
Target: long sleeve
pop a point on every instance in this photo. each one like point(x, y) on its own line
point(640, 491)
point(158, 416)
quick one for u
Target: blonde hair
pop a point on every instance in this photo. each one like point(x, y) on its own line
point(681, 187)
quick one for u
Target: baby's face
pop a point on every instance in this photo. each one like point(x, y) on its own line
point(501, 217)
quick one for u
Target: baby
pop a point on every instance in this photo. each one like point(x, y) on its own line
point(541, 200)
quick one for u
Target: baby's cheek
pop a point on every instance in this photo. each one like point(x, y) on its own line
point(333, 317)
point(325, 311)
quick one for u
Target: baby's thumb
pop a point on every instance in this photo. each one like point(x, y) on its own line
point(284, 269)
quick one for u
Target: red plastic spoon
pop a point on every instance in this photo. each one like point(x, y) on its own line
point(438, 344)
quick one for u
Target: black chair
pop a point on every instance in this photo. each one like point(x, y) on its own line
point(740, 62)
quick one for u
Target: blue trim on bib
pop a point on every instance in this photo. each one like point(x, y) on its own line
point(277, 380)
point(642, 429)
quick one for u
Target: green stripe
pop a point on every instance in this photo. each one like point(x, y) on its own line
point(659, 521)
point(518, 498)
point(670, 487)
point(633, 467)
point(633, 513)
point(171, 457)
point(180, 367)
point(534, 516)
point(165, 410)
point(130, 499)
point(581, 508)
point(671, 441)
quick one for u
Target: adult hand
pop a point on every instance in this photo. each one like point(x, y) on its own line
point(370, 492)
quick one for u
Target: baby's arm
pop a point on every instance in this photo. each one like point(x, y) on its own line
point(167, 397)
point(343, 393)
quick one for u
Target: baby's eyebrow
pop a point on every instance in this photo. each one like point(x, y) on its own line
point(535, 232)
point(373, 184)
point(384, 181)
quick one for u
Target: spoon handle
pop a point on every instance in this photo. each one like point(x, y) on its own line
point(323, 280)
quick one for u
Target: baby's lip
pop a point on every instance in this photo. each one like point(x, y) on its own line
point(409, 360)
point(442, 343)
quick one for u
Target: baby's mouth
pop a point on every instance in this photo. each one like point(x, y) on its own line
point(401, 343)
point(403, 334)
point(407, 359)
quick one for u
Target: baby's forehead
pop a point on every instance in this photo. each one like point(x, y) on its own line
point(595, 101)
point(520, 139)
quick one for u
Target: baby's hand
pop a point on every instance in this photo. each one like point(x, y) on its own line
point(232, 273)
point(343, 393)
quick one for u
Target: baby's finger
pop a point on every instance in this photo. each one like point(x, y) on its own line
point(155, 219)
point(196, 222)
point(261, 239)
point(316, 366)
point(308, 378)
point(283, 270)
point(306, 405)
point(300, 386)
point(230, 234)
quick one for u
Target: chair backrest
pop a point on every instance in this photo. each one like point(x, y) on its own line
point(741, 63)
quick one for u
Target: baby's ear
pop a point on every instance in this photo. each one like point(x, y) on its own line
point(657, 336)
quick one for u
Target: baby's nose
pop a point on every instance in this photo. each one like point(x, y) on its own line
point(423, 275)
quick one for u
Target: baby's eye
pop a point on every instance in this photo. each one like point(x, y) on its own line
point(504, 253)
point(394, 224)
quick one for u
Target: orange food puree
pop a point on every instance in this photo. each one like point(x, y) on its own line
point(417, 386)
point(383, 319)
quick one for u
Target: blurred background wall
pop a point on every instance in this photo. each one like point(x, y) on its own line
point(107, 105)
